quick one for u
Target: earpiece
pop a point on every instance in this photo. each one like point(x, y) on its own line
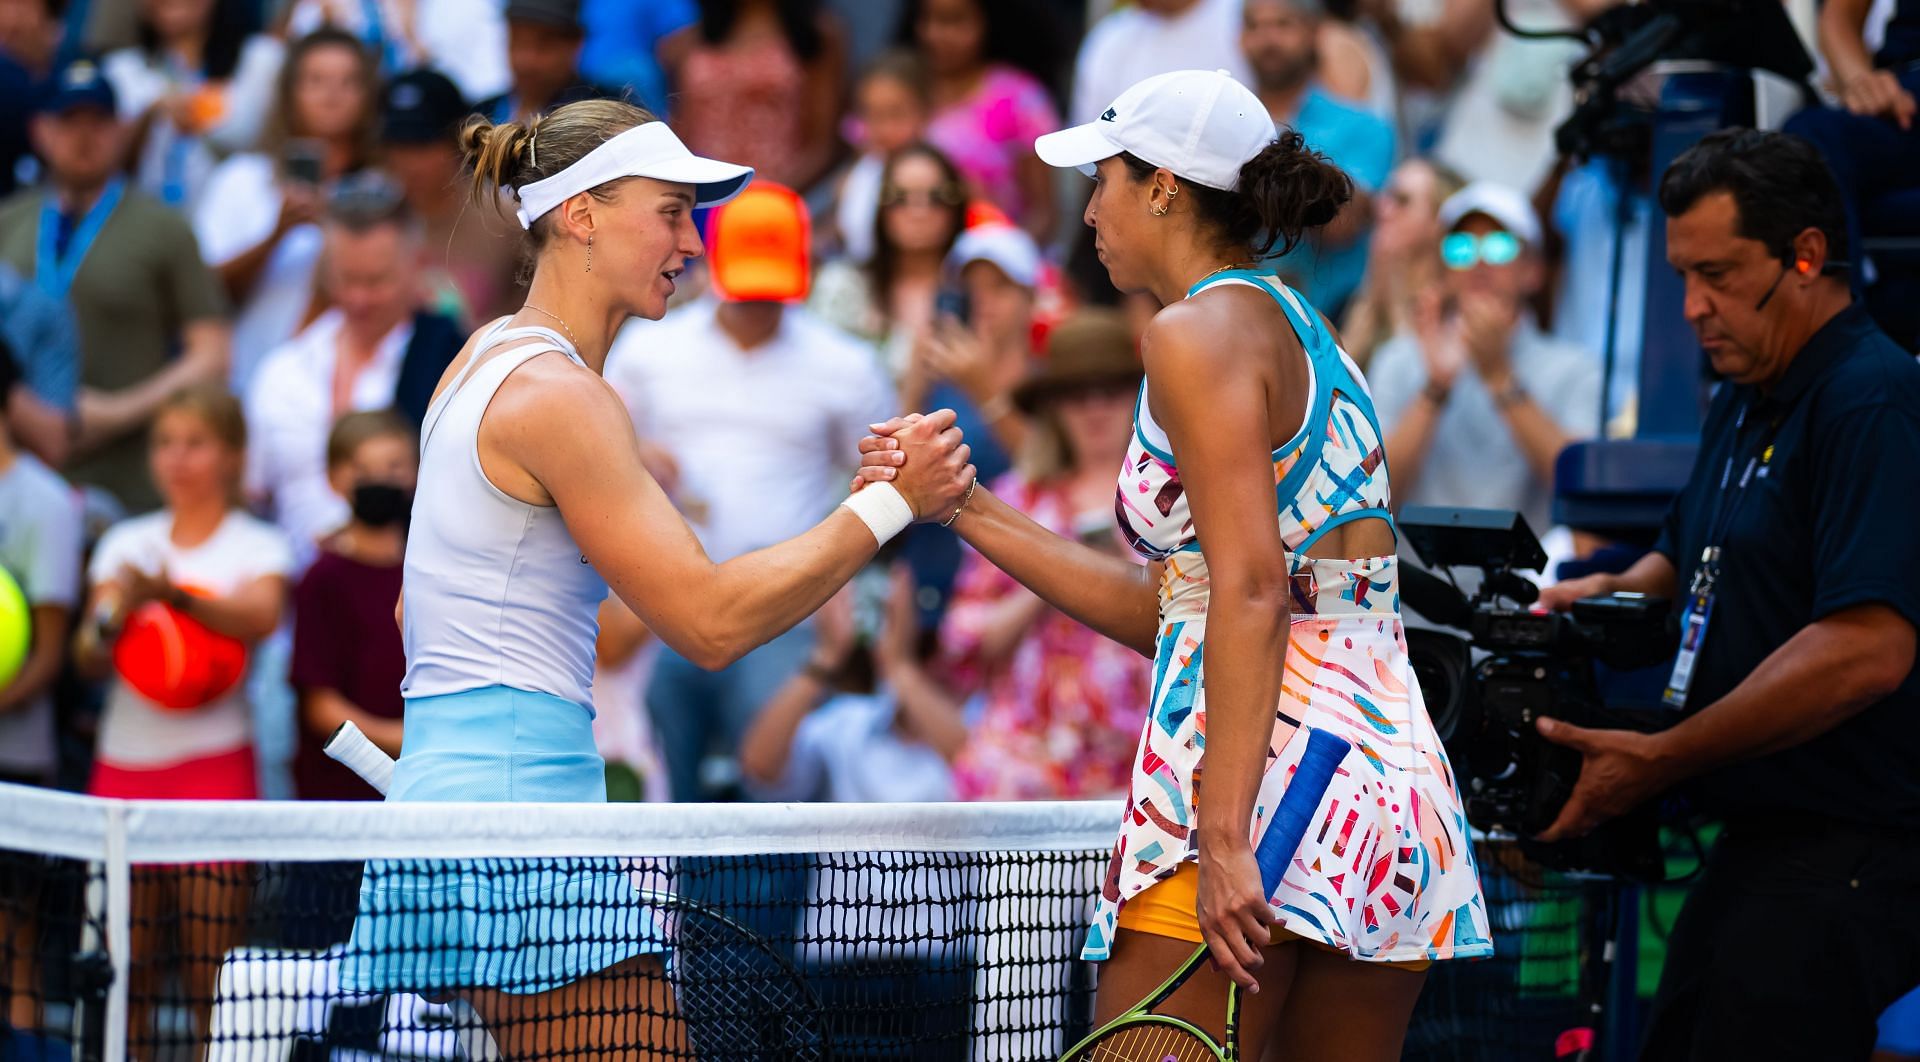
point(1803, 266)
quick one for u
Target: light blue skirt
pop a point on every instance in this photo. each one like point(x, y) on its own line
point(518, 925)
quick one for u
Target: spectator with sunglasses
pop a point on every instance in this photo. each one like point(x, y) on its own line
point(1478, 402)
point(890, 300)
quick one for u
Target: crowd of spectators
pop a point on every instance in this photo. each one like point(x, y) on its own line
point(239, 251)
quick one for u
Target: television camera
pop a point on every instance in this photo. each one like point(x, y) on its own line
point(1487, 691)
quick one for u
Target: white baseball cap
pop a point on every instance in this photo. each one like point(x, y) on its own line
point(1497, 201)
point(1006, 246)
point(1203, 125)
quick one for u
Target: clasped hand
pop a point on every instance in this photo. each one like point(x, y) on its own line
point(926, 459)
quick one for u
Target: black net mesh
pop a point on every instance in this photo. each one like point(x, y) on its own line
point(881, 955)
point(840, 955)
point(54, 968)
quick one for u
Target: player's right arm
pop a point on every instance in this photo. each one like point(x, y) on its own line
point(569, 433)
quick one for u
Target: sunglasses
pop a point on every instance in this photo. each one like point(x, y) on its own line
point(944, 196)
point(1462, 251)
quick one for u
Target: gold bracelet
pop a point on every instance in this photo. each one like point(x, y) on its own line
point(963, 503)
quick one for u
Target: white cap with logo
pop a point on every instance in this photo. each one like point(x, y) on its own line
point(1203, 125)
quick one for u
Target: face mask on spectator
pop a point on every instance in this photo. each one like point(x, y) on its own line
point(381, 504)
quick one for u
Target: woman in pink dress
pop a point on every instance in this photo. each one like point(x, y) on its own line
point(988, 106)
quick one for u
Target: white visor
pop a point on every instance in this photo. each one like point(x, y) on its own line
point(649, 150)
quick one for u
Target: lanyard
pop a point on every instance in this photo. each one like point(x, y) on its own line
point(1758, 459)
point(55, 272)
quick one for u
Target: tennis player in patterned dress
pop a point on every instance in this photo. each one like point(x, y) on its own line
point(1257, 487)
point(532, 504)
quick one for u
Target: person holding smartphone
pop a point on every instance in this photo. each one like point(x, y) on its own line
point(258, 219)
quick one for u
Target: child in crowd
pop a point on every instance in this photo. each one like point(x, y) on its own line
point(347, 656)
point(204, 558)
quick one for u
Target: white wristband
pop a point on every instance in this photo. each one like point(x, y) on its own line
point(882, 509)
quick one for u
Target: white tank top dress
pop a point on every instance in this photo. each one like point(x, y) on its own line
point(497, 593)
point(499, 633)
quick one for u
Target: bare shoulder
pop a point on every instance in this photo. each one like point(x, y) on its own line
point(558, 397)
point(1220, 330)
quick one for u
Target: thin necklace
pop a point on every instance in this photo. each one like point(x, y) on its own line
point(556, 319)
point(1197, 283)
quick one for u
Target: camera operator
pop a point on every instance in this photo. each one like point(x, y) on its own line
point(1793, 552)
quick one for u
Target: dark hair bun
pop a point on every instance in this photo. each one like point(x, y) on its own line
point(1286, 191)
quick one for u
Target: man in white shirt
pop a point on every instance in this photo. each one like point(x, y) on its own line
point(1478, 403)
point(1151, 37)
point(751, 408)
point(350, 358)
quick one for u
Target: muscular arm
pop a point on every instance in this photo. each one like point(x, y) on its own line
point(1832, 669)
point(710, 613)
point(1820, 678)
point(108, 415)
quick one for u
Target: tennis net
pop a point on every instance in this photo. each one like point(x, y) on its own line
point(277, 931)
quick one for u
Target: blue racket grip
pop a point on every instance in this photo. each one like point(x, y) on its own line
point(1302, 799)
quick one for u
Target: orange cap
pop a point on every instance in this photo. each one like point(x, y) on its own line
point(760, 246)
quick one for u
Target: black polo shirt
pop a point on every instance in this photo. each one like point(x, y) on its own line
point(1830, 521)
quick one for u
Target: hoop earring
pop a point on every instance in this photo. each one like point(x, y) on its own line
point(1173, 191)
point(589, 252)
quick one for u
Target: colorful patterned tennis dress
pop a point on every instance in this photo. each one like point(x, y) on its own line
point(1386, 873)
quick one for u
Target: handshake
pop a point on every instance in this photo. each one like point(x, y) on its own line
point(926, 459)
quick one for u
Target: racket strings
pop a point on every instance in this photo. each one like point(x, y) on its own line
point(1149, 1042)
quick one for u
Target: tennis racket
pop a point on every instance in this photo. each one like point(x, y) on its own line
point(1140, 1035)
point(738, 995)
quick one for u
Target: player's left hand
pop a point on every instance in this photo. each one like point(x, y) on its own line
point(880, 453)
point(1619, 770)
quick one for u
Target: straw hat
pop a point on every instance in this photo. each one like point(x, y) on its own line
point(1088, 349)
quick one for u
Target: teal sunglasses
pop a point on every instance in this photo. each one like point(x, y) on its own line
point(1463, 250)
